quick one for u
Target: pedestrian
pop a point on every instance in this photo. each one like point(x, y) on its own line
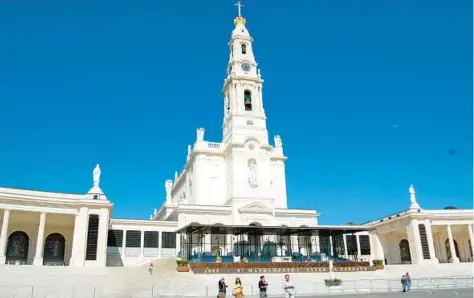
point(262, 286)
point(403, 281)
point(408, 282)
point(238, 290)
point(222, 288)
point(150, 268)
point(288, 287)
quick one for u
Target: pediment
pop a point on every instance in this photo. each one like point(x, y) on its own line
point(256, 207)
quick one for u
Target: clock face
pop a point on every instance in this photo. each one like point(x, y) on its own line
point(246, 67)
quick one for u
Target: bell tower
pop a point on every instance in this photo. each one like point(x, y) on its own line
point(244, 115)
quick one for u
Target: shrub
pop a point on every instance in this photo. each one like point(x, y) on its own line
point(334, 282)
point(377, 262)
point(182, 263)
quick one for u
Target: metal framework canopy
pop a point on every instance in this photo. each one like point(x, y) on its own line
point(218, 229)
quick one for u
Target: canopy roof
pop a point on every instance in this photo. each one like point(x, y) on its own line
point(219, 229)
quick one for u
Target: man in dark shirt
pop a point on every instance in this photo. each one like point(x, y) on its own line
point(262, 286)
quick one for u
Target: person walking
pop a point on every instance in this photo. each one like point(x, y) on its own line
point(288, 287)
point(238, 290)
point(404, 283)
point(408, 282)
point(150, 268)
point(222, 286)
point(262, 286)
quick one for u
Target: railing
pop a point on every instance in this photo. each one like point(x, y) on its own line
point(431, 285)
point(45, 292)
point(312, 288)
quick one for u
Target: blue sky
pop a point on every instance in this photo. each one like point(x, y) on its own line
point(368, 97)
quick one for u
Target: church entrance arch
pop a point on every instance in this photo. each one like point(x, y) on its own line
point(17, 248)
point(405, 255)
point(54, 247)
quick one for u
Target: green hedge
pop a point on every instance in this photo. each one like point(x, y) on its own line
point(333, 282)
point(182, 263)
point(377, 262)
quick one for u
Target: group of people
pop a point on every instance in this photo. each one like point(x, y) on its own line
point(406, 282)
point(238, 288)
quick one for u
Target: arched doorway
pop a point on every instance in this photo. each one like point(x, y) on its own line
point(17, 247)
point(448, 250)
point(405, 255)
point(54, 247)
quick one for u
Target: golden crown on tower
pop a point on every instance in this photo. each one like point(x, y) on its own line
point(240, 21)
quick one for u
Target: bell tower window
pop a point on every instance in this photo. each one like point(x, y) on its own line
point(244, 48)
point(248, 100)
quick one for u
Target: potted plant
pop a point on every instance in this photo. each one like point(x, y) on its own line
point(333, 282)
point(378, 264)
point(183, 266)
point(218, 259)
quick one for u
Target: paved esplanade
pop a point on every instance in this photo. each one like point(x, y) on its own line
point(445, 293)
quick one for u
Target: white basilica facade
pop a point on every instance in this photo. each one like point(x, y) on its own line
point(238, 181)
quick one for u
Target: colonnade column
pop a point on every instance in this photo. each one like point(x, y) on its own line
point(429, 236)
point(79, 238)
point(471, 237)
point(124, 245)
point(38, 261)
point(102, 237)
point(142, 244)
point(345, 246)
point(4, 235)
point(159, 244)
point(452, 248)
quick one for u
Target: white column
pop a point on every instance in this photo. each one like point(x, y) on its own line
point(451, 246)
point(429, 237)
point(142, 244)
point(330, 243)
point(471, 237)
point(79, 239)
point(178, 244)
point(345, 247)
point(358, 247)
point(38, 261)
point(159, 244)
point(102, 237)
point(413, 235)
point(124, 244)
point(4, 236)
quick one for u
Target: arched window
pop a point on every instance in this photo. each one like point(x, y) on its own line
point(17, 247)
point(248, 100)
point(244, 48)
point(54, 247)
point(405, 251)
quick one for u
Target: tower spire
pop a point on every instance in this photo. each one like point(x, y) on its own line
point(239, 8)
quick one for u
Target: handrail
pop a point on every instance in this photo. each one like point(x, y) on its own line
point(310, 288)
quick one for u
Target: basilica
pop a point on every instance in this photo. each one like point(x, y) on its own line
point(237, 185)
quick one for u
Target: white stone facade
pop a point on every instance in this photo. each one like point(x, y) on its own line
point(238, 181)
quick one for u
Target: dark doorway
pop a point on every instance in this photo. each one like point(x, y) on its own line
point(54, 247)
point(17, 248)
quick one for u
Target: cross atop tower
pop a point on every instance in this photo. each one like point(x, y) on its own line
point(239, 8)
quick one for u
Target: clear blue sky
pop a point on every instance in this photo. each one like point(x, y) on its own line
point(368, 96)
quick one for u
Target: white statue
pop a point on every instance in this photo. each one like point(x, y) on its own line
point(259, 73)
point(200, 134)
point(413, 203)
point(175, 175)
point(411, 190)
point(96, 175)
point(253, 181)
point(155, 211)
point(151, 217)
point(278, 143)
